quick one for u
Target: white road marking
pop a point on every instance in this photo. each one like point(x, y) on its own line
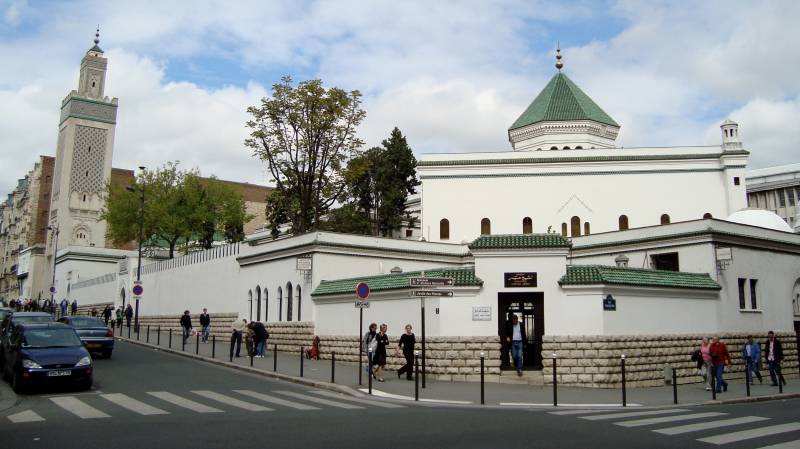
point(78, 408)
point(634, 414)
point(383, 394)
point(26, 416)
point(183, 402)
point(132, 404)
point(233, 402)
point(677, 430)
point(787, 445)
point(665, 419)
point(578, 412)
point(342, 397)
point(274, 400)
point(550, 404)
point(320, 400)
point(752, 433)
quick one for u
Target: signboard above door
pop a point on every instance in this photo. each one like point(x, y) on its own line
point(516, 280)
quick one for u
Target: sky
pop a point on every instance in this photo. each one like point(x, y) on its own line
point(452, 75)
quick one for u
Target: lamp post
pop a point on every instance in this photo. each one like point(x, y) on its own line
point(141, 236)
point(54, 233)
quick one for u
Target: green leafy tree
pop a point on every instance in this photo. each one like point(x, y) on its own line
point(305, 135)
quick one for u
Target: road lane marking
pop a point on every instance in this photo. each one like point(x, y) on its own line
point(787, 445)
point(578, 412)
point(634, 414)
point(750, 434)
point(665, 419)
point(233, 402)
point(342, 397)
point(308, 398)
point(78, 408)
point(274, 400)
point(677, 430)
point(26, 416)
point(183, 402)
point(560, 404)
point(383, 394)
point(132, 404)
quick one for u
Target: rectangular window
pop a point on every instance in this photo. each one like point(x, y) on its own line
point(666, 261)
point(753, 297)
point(742, 303)
point(781, 198)
point(736, 180)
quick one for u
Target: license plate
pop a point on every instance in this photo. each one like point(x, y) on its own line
point(93, 345)
point(55, 373)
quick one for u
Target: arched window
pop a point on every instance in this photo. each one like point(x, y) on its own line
point(575, 226)
point(553, 148)
point(566, 148)
point(250, 303)
point(288, 302)
point(579, 147)
point(444, 229)
point(527, 225)
point(707, 215)
point(623, 222)
point(664, 219)
point(299, 302)
point(280, 304)
point(586, 228)
point(258, 303)
point(563, 229)
point(486, 226)
point(266, 305)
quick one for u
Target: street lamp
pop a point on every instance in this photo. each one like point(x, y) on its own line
point(54, 235)
point(141, 232)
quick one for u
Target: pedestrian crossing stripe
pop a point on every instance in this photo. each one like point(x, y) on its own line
point(78, 407)
point(233, 402)
point(342, 397)
point(319, 400)
point(132, 404)
point(666, 419)
point(634, 414)
point(677, 430)
point(751, 433)
point(274, 400)
point(26, 416)
point(787, 445)
point(174, 399)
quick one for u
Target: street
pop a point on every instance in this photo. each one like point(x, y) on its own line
point(144, 398)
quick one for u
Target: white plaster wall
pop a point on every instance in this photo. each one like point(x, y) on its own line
point(81, 270)
point(94, 294)
point(394, 309)
point(692, 257)
point(272, 275)
point(662, 313)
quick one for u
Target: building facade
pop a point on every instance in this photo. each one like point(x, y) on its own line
point(776, 189)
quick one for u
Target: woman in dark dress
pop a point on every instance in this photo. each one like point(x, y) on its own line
point(406, 343)
point(379, 358)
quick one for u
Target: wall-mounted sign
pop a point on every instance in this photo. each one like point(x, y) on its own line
point(433, 293)
point(609, 303)
point(430, 282)
point(481, 313)
point(512, 280)
point(304, 264)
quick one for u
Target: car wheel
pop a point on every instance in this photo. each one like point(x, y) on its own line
point(107, 354)
point(16, 383)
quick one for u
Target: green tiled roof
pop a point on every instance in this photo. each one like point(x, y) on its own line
point(520, 241)
point(562, 100)
point(462, 277)
point(599, 274)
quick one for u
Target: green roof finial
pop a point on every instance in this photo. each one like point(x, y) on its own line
point(559, 64)
point(97, 35)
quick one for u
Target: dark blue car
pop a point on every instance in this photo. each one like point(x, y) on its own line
point(93, 332)
point(45, 355)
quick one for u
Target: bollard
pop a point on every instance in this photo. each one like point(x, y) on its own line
point(275, 357)
point(555, 381)
point(183, 342)
point(780, 379)
point(301, 361)
point(197, 344)
point(482, 391)
point(158, 336)
point(624, 393)
point(114, 330)
point(369, 378)
point(674, 386)
point(333, 367)
point(416, 375)
point(148, 333)
point(747, 377)
point(170, 338)
point(251, 358)
point(233, 344)
point(137, 333)
point(213, 346)
point(713, 383)
point(369, 367)
point(129, 332)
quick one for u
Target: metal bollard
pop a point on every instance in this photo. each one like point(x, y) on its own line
point(233, 344)
point(369, 368)
point(747, 377)
point(158, 336)
point(148, 333)
point(416, 376)
point(183, 342)
point(624, 393)
point(780, 379)
point(713, 383)
point(213, 346)
point(137, 333)
point(674, 386)
point(275, 357)
point(114, 330)
point(129, 332)
point(333, 367)
point(555, 381)
point(482, 390)
point(301, 361)
point(251, 358)
point(170, 338)
point(197, 344)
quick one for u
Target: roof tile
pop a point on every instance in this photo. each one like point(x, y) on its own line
point(639, 277)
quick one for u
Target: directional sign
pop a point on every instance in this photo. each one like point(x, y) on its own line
point(362, 304)
point(362, 290)
point(425, 293)
point(137, 288)
point(430, 282)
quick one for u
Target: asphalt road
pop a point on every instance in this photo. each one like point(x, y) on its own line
point(140, 401)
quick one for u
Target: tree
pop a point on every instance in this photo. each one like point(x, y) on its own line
point(217, 209)
point(305, 135)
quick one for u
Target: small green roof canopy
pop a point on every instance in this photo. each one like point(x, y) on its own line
point(520, 241)
point(637, 277)
point(462, 277)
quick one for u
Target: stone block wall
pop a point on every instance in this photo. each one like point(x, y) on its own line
point(594, 360)
point(220, 324)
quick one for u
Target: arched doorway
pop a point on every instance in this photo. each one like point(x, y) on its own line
point(280, 304)
point(289, 301)
point(258, 303)
point(122, 297)
point(299, 302)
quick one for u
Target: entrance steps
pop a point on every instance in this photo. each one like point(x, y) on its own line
point(527, 378)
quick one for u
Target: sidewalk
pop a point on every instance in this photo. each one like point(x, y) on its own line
point(346, 375)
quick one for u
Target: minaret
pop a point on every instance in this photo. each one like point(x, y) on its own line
point(730, 135)
point(83, 156)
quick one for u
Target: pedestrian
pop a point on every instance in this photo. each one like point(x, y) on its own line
point(515, 335)
point(249, 339)
point(64, 305)
point(313, 352)
point(74, 307)
point(93, 312)
point(719, 358)
point(379, 358)
point(119, 317)
point(260, 337)
point(751, 353)
point(708, 366)
point(205, 323)
point(128, 315)
point(237, 328)
point(186, 326)
point(107, 314)
point(773, 352)
point(368, 346)
point(406, 344)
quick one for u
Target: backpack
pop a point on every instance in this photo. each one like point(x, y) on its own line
point(696, 355)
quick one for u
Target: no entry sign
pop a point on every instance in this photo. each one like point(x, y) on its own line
point(362, 290)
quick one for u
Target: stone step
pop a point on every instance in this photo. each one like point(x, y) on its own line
point(527, 378)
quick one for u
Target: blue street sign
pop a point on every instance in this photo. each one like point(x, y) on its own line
point(362, 290)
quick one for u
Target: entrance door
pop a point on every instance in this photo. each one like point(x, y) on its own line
point(529, 307)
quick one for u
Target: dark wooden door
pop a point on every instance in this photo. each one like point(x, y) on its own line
point(529, 307)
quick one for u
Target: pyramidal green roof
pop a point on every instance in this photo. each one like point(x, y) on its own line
point(520, 241)
point(562, 100)
point(639, 277)
point(462, 277)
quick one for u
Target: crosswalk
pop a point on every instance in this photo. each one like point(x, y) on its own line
point(108, 405)
point(715, 428)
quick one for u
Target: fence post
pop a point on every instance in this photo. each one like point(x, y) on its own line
point(301, 361)
point(674, 385)
point(555, 381)
point(197, 344)
point(416, 376)
point(482, 366)
point(624, 393)
point(333, 367)
point(275, 357)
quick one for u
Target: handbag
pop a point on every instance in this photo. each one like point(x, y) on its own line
point(372, 345)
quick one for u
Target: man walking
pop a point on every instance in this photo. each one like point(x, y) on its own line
point(119, 317)
point(773, 352)
point(74, 306)
point(128, 315)
point(515, 335)
point(205, 322)
point(64, 305)
point(186, 325)
point(719, 357)
point(237, 329)
point(751, 353)
point(260, 337)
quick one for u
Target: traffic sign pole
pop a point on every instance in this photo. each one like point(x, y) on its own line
point(422, 308)
point(362, 293)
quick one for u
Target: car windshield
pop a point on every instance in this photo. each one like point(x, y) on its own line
point(32, 319)
point(50, 338)
point(87, 321)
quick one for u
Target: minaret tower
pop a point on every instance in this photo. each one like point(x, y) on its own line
point(83, 156)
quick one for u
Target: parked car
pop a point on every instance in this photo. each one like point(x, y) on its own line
point(46, 354)
point(4, 312)
point(15, 319)
point(93, 333)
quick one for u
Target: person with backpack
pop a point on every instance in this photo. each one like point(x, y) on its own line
point(119, 317)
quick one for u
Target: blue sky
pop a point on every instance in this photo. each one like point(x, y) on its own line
point(451, 75)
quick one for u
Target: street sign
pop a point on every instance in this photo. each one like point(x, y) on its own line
point(430, 282)
point(362, 304)
point(52, 289)
point(362, 290)
point(609, 303)
point(137, 288)
point(427, 293)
